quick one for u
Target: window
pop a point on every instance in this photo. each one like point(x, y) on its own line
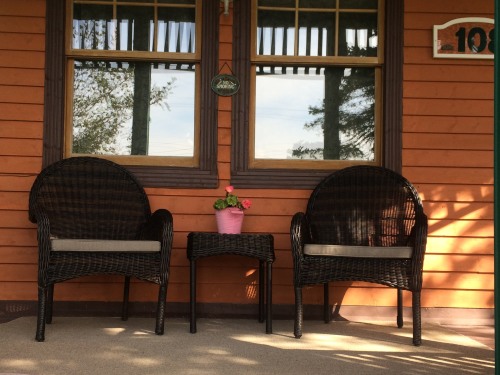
point(134, 77)
point(317, 77)
point(316, 90)
point(134, 71)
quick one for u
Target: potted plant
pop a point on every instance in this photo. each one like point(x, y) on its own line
point(229, 212)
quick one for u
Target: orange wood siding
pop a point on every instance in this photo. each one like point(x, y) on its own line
point(447, 153)
point(22, 49)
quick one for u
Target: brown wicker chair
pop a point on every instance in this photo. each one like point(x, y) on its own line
point(93, 217)
point(362, 223)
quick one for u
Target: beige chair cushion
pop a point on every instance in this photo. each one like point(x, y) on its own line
point(104, 245)
point(358, 251)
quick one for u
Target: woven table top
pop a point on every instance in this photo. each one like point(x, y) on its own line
point(202, 244)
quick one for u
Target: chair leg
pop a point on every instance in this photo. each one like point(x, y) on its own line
point(400, 308)
point(297, 331)
point(160, 310)
point(50, 304)
point(40, 324)
point(417, 319)
point(326, 303)
point(126, 290)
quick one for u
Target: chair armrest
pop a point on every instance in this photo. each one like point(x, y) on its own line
point(43, 235)
point(299, 234)
point(160, 227)
point(418, 240)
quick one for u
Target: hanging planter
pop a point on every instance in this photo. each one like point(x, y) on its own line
point(229, 220)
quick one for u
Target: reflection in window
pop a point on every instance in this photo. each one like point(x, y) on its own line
point(133, 108)
point(315, 65)
point(176, 30)
point(358, 35)
point(276, 33)
point(133, 28)
point(134, 66)
point(316, 34)
point(317, 28)
point(324, 113)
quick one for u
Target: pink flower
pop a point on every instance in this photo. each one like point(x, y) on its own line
point(246, 203)
point(231, 200)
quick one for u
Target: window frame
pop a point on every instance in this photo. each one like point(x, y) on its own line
point(203, 175)
point(77, 54)
point(242, 172)
point(260, 163)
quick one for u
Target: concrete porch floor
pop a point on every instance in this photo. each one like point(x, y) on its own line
point(107, 345)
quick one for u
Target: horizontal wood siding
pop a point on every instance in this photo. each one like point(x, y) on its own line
point(22, 49)
point(447, 154)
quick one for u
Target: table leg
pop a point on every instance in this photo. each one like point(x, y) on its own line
point(261, 291)
point(192, 301)
point(269, 287)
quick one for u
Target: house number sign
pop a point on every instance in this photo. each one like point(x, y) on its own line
point(225, 84)
point(465, 38)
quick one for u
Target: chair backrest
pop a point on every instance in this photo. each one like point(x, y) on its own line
point(363, 206)
point(86, 197)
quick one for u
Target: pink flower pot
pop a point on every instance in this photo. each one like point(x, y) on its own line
point(229, 220)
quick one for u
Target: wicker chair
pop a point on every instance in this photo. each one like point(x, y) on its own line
point(362, 223)
point(93, 217)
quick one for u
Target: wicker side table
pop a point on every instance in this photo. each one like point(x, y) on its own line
point(259, 246)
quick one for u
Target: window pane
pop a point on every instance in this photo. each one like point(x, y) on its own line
point(276, 33)
point(358, 4)
point(93, 27)
point(277, 3)
point(331, 4)
point(316, 34)
point(176, 30)
point(315, 113)
point(188, 2)
point(122, 108)
point(137, 1)
point(358, 34)
point(135, 28)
